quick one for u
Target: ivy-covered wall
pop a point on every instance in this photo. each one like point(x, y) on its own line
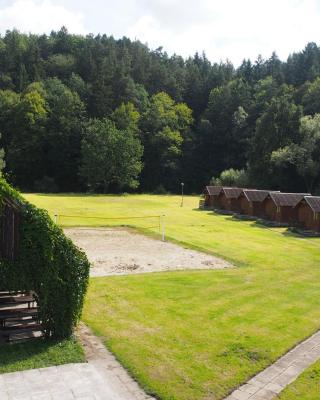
point(48, 263)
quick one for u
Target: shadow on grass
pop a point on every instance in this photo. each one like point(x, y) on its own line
point(242, 217)
point(261, 223)
point(38, 353)
point(300, 234)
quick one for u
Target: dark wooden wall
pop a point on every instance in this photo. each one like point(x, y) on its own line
point(235, 205)
point(307, 218)
point(286, 214)
point(270, 209)
point(245, 206)
point(216, 201)
point(224, 203)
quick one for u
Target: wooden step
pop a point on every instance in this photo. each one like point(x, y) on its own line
point(11, 293)
point(13, 300)
point(17, 322)
point(18, 312)
point(21, 329)
point(16, 315)
point(23, 336)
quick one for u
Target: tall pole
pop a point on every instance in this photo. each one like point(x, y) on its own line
point(163, 227)
point(182, 185)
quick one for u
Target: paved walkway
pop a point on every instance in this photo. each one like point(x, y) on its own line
point(66, 382)
point(270, 382)
point(116, 377)
point(101, 378)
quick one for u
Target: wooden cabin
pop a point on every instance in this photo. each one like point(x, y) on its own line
point(9, 229)
point(251, 202)
point(229, 199)
point(212, 196)
point(308, 213)
point(280, 207)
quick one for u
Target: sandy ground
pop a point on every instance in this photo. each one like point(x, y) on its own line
point(119, 251)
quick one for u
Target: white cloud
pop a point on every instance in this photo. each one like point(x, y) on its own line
point(39, 17)
point(230, 29)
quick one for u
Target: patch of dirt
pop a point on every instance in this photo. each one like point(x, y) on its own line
point(119, 251)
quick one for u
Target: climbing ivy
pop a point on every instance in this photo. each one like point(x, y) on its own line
point(49, 264)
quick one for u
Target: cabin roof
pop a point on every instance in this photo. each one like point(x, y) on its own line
point(287, 199)
point(254, 195)
point(232, 193)
point(213, 190)
point(314, 203)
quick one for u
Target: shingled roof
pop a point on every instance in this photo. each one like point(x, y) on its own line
point(213, 190)
point(232, 193)
point(314, 203)
point(254, 195)
point(287, 199)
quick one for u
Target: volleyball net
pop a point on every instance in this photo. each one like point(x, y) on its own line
point(154, 223)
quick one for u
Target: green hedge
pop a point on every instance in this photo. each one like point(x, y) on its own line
point(49, 264)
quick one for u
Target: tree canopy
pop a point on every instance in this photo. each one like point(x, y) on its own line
point(62, 95)
point(111, 158)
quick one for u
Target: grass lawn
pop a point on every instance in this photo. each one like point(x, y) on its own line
point(306, 387)
point(39, 354)
point(199, 334)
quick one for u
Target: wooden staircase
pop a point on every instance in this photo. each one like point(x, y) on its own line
point(19, 318)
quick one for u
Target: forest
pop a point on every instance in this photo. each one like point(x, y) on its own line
point(99, 114)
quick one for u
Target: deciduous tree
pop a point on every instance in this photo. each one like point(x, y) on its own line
point(111, 158)
point(305, 154)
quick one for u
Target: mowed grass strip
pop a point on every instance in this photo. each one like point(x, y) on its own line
point(306, 387)
point(197, 335)
point(39, 353)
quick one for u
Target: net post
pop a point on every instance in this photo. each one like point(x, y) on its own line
point(163, 228)
point(56, 219)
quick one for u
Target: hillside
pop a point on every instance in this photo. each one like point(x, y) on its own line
point(94, 113)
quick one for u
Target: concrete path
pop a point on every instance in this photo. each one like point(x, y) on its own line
point(270, 382)
point(101, 378)
point(66, 382)
point(117, 377)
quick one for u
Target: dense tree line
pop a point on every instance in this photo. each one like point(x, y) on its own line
point(100, 114)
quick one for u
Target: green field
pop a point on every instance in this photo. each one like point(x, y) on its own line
point(197, 335)
point(39, 354)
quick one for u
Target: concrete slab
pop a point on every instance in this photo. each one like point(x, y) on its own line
point(101, 378)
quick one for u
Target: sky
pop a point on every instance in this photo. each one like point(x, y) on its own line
point(223, 29)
